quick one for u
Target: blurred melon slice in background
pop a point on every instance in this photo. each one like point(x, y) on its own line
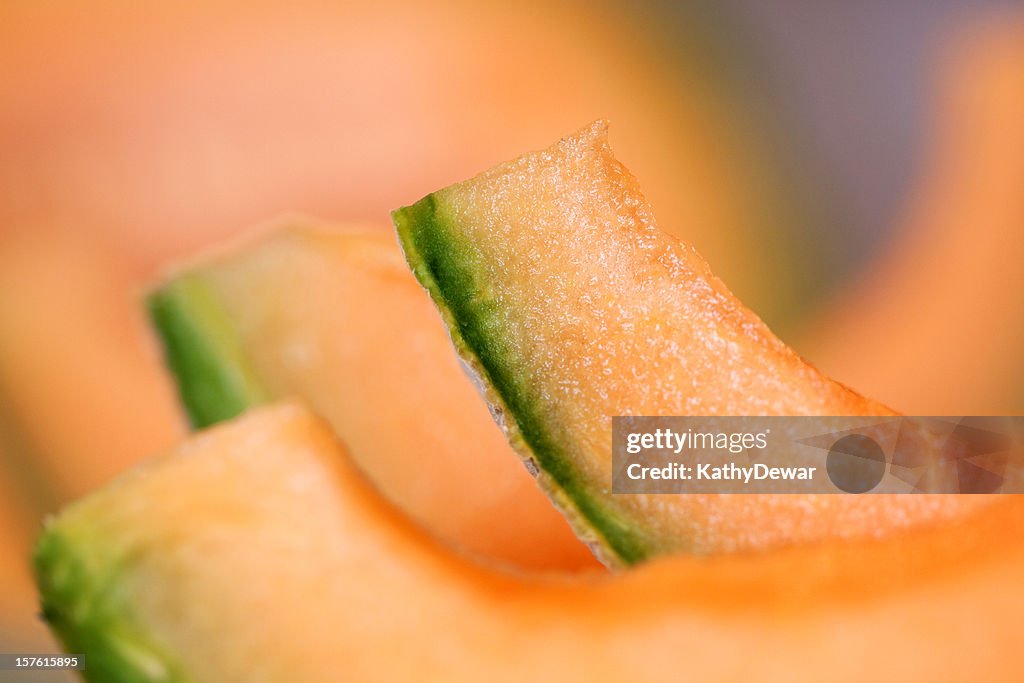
point(86, 397)
point(82, 397)
point(936, 326)
point(334, 317)
point(257, 552)
point(164, 127)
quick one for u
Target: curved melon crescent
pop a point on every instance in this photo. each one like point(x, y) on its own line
point(332, 315)
point(258, 552)
point(563, 295)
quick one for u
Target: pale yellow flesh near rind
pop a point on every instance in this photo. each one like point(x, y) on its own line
point(259, 553)
point(331, 314)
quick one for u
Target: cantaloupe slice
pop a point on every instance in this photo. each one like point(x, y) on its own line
point(336, 318)
point(563, 295)
point(258, 552)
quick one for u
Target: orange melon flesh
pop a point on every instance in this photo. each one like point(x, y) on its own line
point(79, 381)
point(562, 293)
point(333, 316)
point(156, 146)
point(258, 552)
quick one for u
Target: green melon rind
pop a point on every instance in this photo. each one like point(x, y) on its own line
point(203, 350)
point(447, 269)
point(80, 580)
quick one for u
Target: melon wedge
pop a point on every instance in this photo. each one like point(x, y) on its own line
point(571, 305)
point(334, 316)
point(258, 552)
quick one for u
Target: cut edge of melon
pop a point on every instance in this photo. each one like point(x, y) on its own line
point(203, 351)
point(432, 258)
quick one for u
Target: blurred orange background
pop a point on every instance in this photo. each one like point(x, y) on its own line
point(135, 134)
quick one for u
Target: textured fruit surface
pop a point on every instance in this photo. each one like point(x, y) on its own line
point(335, 318)
point(258, 552)
point(563, 294)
